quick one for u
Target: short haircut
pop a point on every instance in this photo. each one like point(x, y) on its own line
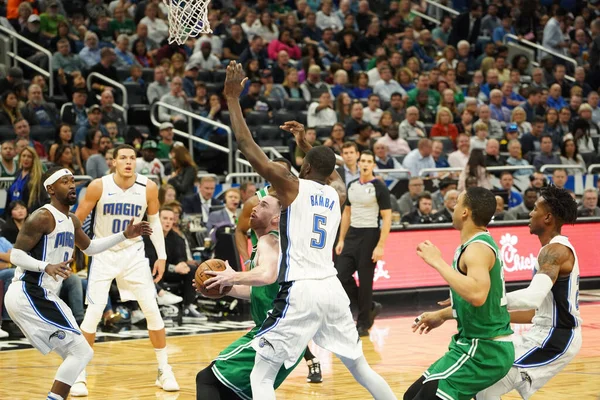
point(425, 195)
point(506, 173)
point(367, 153)
point(284, 160)
point(350, 144)
point(234, 190)
point(539, 120)
point(322, 160)
point(206, 178)
point(561, 204)
point(546, 136)
point(482, 204)
point(533, 91)
point(528, 190)
point(244, 185)
point(559, 170)
point(122, 147)
point(396, 94)
point(480, 126)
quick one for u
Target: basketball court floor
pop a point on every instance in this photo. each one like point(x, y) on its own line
point(126, 369)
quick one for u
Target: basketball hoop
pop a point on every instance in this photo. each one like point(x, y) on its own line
point(187, 18)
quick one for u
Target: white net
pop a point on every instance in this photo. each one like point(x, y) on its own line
point(187, 18)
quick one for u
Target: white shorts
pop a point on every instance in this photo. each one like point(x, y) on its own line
point(129, 267)
point(305, 310)
point(540, 354)
point(42, 316)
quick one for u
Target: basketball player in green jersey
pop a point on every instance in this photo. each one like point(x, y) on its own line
point(481, 353)
point(228, 376)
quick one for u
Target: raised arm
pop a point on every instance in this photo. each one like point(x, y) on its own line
point(282, 180)
point(242, 227)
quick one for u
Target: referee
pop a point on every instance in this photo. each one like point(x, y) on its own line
point(361, 241)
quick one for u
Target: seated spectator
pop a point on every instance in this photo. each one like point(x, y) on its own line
point(480, 139)
point(62, 33)
point(444, 213)
point(518, 117)
point(291, 85)
point(177, 98)
point(522, 211)
point(492, 155)
point(228, 215)
point(22, 131)
point(419, 158)
point(120, 24)
point(546, 156)
point(125, 58)
point(408, 201)
point(411, 127)
point(387, 124)
point(311, 138)
point(91, 144)
point(589, 204)
point(286, 43)
point(202, 201)
point(313, 86)
point(511, 132)
point(437, 152)
point(148, 164)
point(159, 87)
point(9, 109)
point(27, 185)
point(506, 183)
point(582, 136)
point(433, 96)
point(94, 115)
point(166, 143)
point(255, 51)
point(105, 67)
point(422, 214)
point(444, 126)
point(385, 161)
point(109, 112)
point(63, 157)
point(167, 194)
point(177, 269)
point(14, 216)
point(140, 52)
point(498, 112)
point(135, 76)
point(340, 84)
point(8, 162)
point(475, 168)
point(559, 177)
point(336, 140)
point(326, 18)
point(362, 88)
point(50, 19)
point(372, 113)
point(510, 99)
point(365, 133)
point(466, 122)
point(265, 27)
point(569, 155)
point(157, 28)
point(531, 140)
point(205, 59)
point(253, 101)
point(141, 33)
point(90, 54)
point(555, 100)
point(321, 113)
point(516, 159)
point(32, 32)
point(387, 86)
point(66, 61)
point(96, 165)
point(64, 136)
point(397, 108)
point(460, 157)
point(184, 171)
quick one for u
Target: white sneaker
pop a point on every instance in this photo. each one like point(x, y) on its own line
point(166, 380)
point(191, 315)
point(3, 334)
point(137, 316)
point(79, 388)
point(168, 299)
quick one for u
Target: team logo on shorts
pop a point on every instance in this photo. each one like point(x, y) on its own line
point(60, 335)
point(264, 342)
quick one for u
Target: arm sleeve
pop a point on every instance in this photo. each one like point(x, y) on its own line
point(157, 237)
point(383, 196)
point(532, 297)
point(23, 260)
point(99, 245)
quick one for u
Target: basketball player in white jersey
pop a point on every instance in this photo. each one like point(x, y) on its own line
point(117, 198)
point(49, 236)
point(311, 303)
point(550, 302)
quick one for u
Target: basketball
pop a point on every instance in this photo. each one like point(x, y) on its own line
point(210, 265)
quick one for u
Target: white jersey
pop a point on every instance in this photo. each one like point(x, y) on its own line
point(116, 207)
point(560, 308)
point(54, 248)
point(308, 229)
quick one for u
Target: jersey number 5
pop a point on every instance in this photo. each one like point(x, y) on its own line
point(319, 241)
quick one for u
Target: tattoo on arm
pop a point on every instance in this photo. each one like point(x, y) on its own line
point(550, 260)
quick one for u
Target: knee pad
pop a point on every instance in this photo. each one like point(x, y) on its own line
point(150, 309)
point(77, 358)
point(92, 317)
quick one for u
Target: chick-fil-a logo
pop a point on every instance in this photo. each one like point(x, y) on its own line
point(510, 256)
point(380, 272)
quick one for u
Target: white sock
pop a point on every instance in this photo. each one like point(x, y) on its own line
point(368, 378)
point(54, 396)
point(162, 357)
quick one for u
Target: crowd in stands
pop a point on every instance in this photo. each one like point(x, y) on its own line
point(361, 75)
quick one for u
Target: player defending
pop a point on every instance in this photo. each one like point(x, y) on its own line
point(311, 302)
point(228, 377)
point(550, 302)
point(481, 353)
point(49, 236)
point(117, 198)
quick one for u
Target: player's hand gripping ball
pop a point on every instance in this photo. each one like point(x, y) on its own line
point(201, 277)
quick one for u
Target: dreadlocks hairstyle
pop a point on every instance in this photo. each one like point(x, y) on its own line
point(562, 206)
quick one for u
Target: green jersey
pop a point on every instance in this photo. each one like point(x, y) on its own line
point(261, 297)
point(491, 319)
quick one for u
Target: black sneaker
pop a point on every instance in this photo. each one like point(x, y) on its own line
point(375, 311)
point(362, 331)
point(314, 371)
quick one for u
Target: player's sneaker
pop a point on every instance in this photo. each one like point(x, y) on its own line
point(375, 311)
point(166, 380)
point(3, 334)
point(191, 315)
point(362, 331)
point(314, 371)
point(79, 388)
point(137, 316)
point(168, 299)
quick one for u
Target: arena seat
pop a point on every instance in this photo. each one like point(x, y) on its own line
point(270, 135)
point(295, 104)
point(42, 133)
point(219, 75)
point(282, 116)
point(135, 93)
point(6, 133)
point(257, 118)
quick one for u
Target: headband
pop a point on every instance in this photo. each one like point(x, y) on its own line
point(56, 176)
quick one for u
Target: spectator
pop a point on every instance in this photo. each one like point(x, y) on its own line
point(157, 28)
point(475, 168)
point(582, 137)
point(397, 107)
point(265, 28)
point(228, 215)
point(22, 130)
point(9, 112)
point(506, 183)
point(8, 164)
point(522, 211)
point(480, 139)
point(63, 33)
point(64, 60)
point(27, 185)
point(362, 89)
point(176, 98)
point(311, 32)
point(490, 21)
point(419, 158)
point(569, 155)
point(189, 81)
point(335, 141)
point(64, 137)
point(516, 159)
point(467, 26)
point(202, 201)
point(553, 38)
point(253, 101)
point(437, 152)
point(460, 157)
point(559, 177)
point(433, 96)
point(589, 206)
point(443, 125)
point(387, 124)
point(387, 86)
point(501, 31)
point(94, 117)
point(141, 54)
point(518, 116)
point(423, 213)
point(14, 76)
point(321, 113)
point(291, 85)
point(441, 33)
point(494, 126)
point(444, 213)
point(498, 111)
point(363, 141)
point(593, 99)
point(282, 66)
point(349, 171)
point(184, 171)
point(426, 112)
point(383, 159)
point(148, 164)
point(532, 105)
point(255, 51)
point(327, 19)
point(50, 19)
point(408, 201)
point(90, 54)
point(531, 140)
point(411, 127)
point(120, 24)
point(492, 155)
point(109, 112)
point(125, 58)
point(63, 157)
point(105, 67)
point(91, 144)
point(511, 99)
point(248, 189)
point(546, 155)
point(15, 214)
point(284, 43)
point(586, 113)
point(372, 113)
point(205, 59)
point(96, 165)
point(555, 100)
point(33, 33)
point(313, 86)
point(166, 143)
point(160, 87)
point(141, 34)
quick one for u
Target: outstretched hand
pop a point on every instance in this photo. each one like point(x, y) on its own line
point(295, 128)
point(139, 229)
point(235, 80)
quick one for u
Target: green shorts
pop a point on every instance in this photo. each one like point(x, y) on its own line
point(233, 365)
point(469, 366)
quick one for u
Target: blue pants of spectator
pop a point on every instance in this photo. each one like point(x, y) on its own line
point(6, 276)
point(72, 293)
